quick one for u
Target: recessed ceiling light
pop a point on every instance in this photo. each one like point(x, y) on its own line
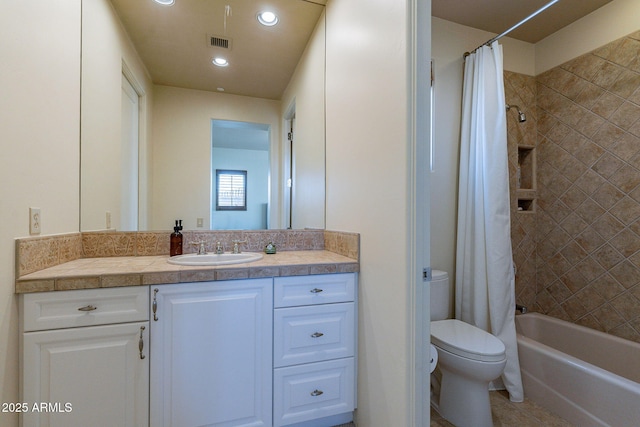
point(267, 18)
point(220, 62)
point(165, 2)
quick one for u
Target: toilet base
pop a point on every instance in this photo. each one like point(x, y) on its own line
point(464, 403)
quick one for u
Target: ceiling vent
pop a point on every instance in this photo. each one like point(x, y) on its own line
point(219, 41)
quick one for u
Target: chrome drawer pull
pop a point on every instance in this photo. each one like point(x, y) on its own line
point(155, 305)
point(316, 392)
point(88, 308)
point(141, 342)
point(315, 291)
point(316, 335)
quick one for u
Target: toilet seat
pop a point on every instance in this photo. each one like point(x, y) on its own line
point(466, 340)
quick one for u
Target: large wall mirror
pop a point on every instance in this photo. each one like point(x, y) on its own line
point(158, 117)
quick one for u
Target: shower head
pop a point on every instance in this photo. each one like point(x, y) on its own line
point(521, 116)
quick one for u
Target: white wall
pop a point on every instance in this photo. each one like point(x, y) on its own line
point(306, 91)
point(611, 22)
point(367, 189)
point(182, 149)
point(39, 140)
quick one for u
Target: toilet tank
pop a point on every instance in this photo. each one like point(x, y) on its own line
point(439, 294)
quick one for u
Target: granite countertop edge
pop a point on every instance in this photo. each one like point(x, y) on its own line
point(108, 272)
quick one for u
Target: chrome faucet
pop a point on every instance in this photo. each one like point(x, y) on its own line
point(236, 246)
point(219, 248)
point(202, 250)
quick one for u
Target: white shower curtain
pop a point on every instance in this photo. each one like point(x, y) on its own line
point(485, 281)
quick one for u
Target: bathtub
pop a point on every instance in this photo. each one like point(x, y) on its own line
point(587, 377)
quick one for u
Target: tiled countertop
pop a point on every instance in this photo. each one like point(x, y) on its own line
point(89, 273)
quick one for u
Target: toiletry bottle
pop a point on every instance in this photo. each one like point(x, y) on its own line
point(176, 240)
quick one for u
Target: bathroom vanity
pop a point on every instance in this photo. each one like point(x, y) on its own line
point(266, 351)
point(210, 359)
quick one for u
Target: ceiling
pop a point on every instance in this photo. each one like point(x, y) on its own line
point(173, 42)
point(497, 16)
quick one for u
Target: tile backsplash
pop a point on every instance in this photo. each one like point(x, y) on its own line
point(37, 253)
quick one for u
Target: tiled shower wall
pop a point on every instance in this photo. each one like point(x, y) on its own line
point(520, 90)
point(578, 255)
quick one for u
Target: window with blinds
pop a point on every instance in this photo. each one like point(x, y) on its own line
point(231, 190)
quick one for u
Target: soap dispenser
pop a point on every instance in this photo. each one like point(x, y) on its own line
point(176, 239)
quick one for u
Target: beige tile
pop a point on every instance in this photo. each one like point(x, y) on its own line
point(257, 272)
point(590, 181)
point(626, 331)
point(508, 414)
point(585, 66)
point(607, 165)
point(232, 273)
point(626, 242)
point(625, 52)
point(626, 179)
point(77, 283)
point(294, 270)
point(608, 317)
point(626, 115)
point(160, 278)
point(626, 305)
point(607, 195)
point(607, 226)
point(26, 286)
point(590, 298)
point(589, 95)
point(607, 104)
point(607, 135)
point(607, 75)
point(607, 287)
point(118, 280)
point(574, 280)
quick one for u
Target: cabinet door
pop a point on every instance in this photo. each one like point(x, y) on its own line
point(94, 376)
point(211, 355)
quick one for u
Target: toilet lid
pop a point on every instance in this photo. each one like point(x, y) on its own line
point(465, 340)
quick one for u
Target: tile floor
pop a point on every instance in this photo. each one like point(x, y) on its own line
point(508, 414)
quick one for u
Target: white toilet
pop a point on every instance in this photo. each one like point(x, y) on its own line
point(468, 359)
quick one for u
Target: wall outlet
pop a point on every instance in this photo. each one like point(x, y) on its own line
point(35, 221)
point(108, 218)
point(199, 222)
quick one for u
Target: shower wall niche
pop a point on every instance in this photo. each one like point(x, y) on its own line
point(526, 178)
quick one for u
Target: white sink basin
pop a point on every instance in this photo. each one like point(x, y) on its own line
point(215, 259)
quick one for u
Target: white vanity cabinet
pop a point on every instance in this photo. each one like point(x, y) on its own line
point(314, 349)
point(211, 354)
point(85, 358)
point(253, 352)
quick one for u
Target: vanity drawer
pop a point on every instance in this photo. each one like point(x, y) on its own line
point(87, 307)
point(313, 334)
point(314, 390)
point(309, 290)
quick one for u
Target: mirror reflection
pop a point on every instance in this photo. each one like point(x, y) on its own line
point(159, 118)
point(239, 175)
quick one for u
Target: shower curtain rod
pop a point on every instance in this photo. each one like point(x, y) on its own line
point(499, 36)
